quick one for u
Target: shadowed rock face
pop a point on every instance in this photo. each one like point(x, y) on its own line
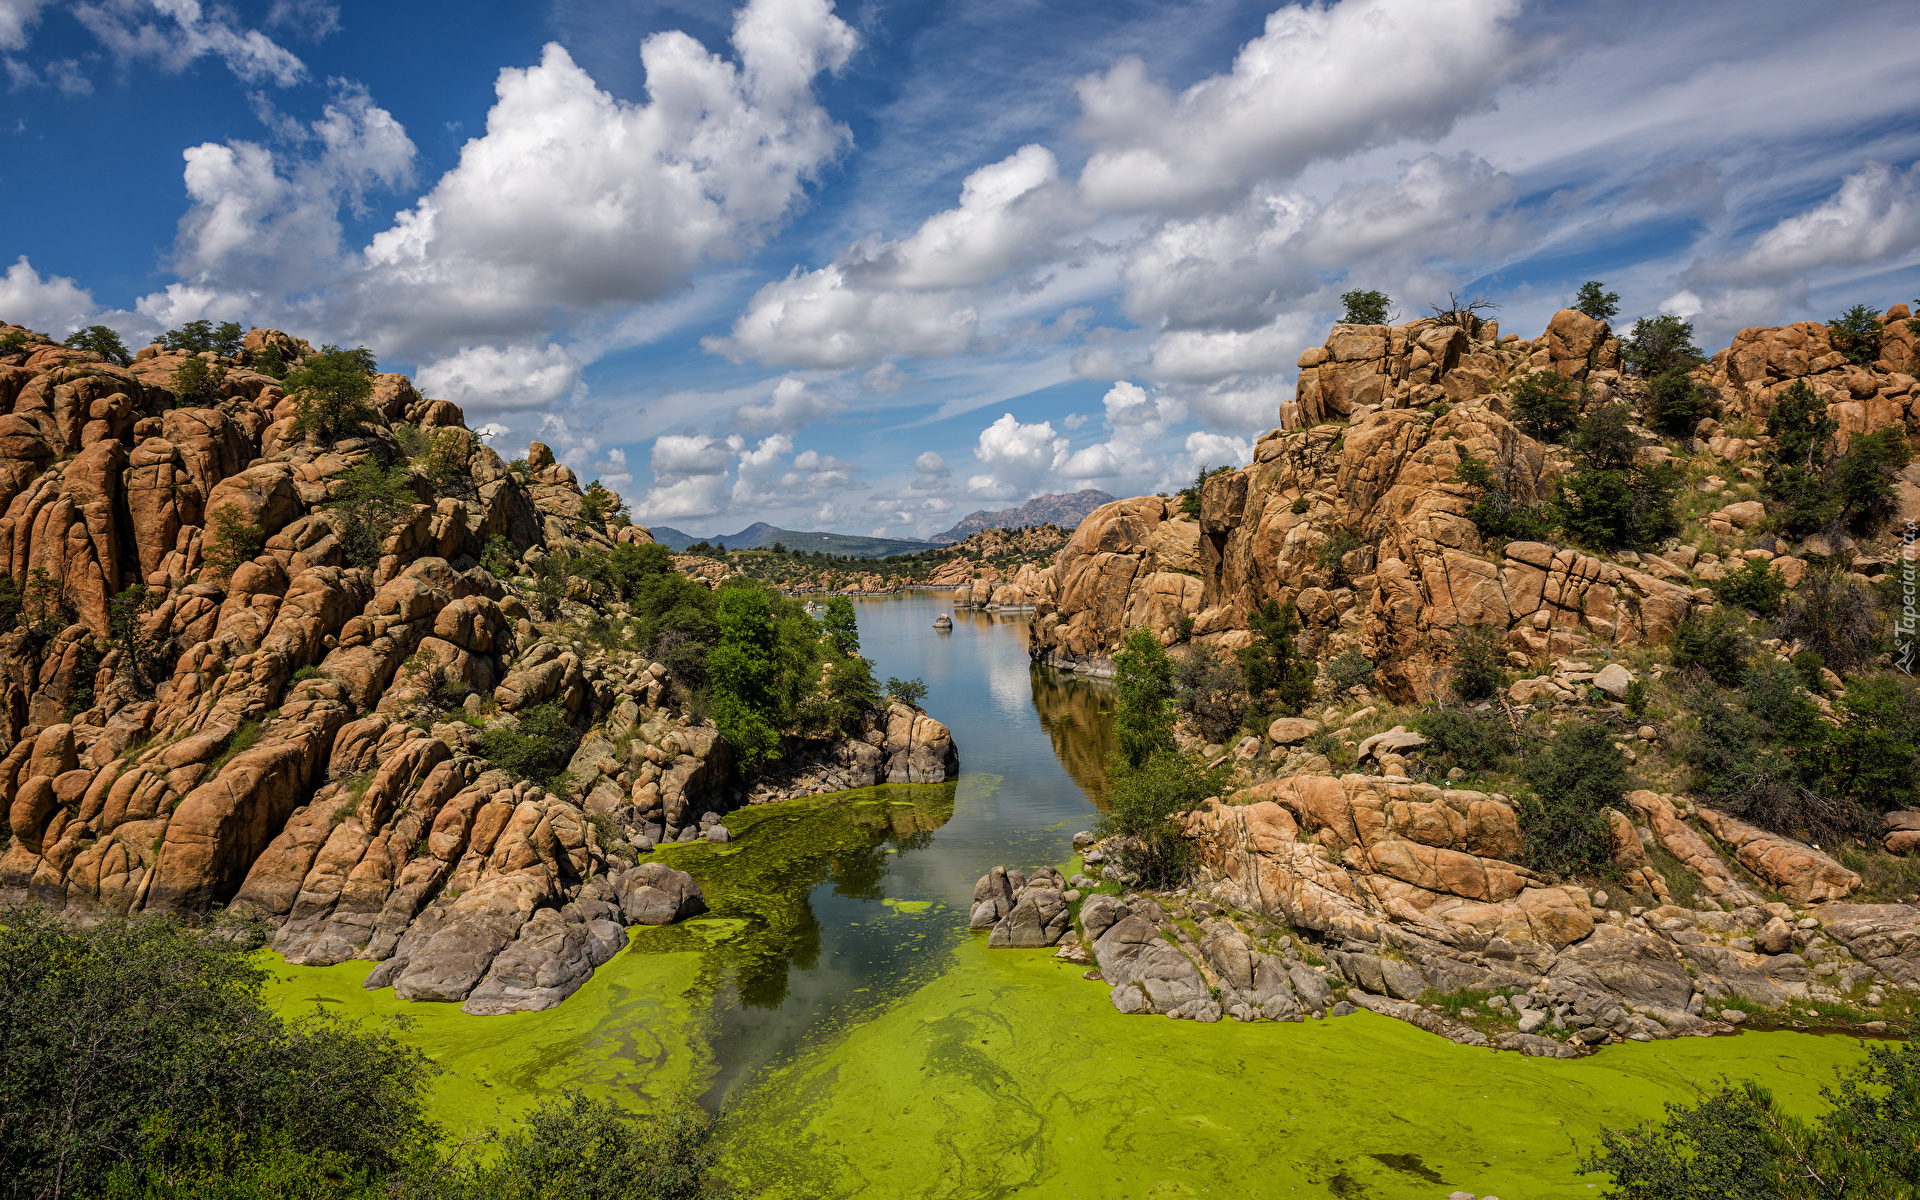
point(1364, 461)
point(269, 750)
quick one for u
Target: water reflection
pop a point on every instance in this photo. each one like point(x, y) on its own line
point(1078, 716)
point(800, 935)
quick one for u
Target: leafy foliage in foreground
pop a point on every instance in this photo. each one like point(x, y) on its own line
point(1737, 1143)
point(138, 1059)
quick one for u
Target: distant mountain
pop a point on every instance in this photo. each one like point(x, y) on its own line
point(762, 535)
point(1066, 511)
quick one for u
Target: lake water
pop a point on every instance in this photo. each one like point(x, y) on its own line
point(866, 1044)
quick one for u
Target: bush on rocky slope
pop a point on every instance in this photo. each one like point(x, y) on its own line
point(1737, 1141)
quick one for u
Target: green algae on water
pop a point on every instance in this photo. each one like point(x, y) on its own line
point(1012, 1076)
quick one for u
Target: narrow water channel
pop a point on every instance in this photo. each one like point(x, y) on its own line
point(867, 1045)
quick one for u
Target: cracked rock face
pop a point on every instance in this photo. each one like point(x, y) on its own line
point(1369, 446)
point(270, 754)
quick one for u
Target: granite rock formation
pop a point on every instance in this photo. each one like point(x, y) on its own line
point(267, 739)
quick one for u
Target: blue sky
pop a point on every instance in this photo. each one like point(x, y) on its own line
point(869, 267)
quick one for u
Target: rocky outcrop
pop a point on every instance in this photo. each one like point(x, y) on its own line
point(1352, 510)
point(287, 736)
point(1407, 888)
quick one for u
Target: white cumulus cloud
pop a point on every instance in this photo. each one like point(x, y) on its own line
point(1319, 83)
point(52, 304)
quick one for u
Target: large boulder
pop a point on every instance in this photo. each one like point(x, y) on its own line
point(656, 894)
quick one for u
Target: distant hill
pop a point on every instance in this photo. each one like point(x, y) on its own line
point(1066, 511)
point(760, 534)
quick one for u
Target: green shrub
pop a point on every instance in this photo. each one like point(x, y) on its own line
point(245, 738)
point(1637, 697)
point(196, 384)
point(1857, 333)
point(1545, 403)
point(1340, 543)
point(1500, 511)
point(573, 1147)
point(1210, 691)
point(1298, 506)
point(1676, 404)
point(1190, 496)
point(140, 1043)
point(534, 745)
point(1737, 1142)
point(1756, 586)
point(1659, 344)
point(1621, 510)
point(308, 672)
point(1365, 307)
point(1478, 662)
point(1575, 778)
point(331, 392)
point(1469, 740)
point(102, 341)
point(1808, 665)
point(1595, 301)
point(1348, 670)
point(1836, 617)
point(1717, 644)
point(1141, 803)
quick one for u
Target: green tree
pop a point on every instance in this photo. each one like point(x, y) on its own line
point(1809, 486)
point(229, 542)
point(1574, 779)
point(1143, 678)
point(1142, 802)
point(1659, 344)
point(1616, 503)
point(270, 362)
point(1190, 496)
point(1279, 678)
point(195, 337)
point(842, 628)
point(1857, 333)
point(1366, 308)
point(102, 341)
point(367, 502)
point(126, 623)
point(196, 383)
point(330, 392)
point(907, 691)
point(1594, 300)
point(744, 675)
point(604, 506)
point(1545, 403)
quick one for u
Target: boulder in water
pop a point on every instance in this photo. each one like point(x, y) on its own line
point(943, 621)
